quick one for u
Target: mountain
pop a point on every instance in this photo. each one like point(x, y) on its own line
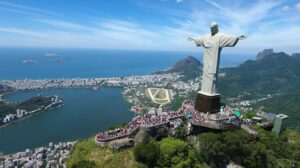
point(296, 55)
point(264, 53)
point(190, 67)
point(277, 74)
point(274, 73)
point(287, 104)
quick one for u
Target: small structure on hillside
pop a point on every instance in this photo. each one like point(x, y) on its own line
point(279, 123)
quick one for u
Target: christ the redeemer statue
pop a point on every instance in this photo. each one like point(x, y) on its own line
point(213, 44)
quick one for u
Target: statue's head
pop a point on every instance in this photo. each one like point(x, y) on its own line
point(214, 28)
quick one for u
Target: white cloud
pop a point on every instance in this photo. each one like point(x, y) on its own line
point(178, 1)
point(113, 34)
point(23, 8)
point(297, 6)
point(62, 24)
point(21, 32)
point(286, 8)
point(262, 22)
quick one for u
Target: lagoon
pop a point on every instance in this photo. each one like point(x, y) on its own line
point(85, 113)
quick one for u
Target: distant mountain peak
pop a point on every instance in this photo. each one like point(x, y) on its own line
point(189, 66)
point(264, 53)
point(187, 61)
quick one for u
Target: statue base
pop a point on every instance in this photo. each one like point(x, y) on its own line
point(205, 103)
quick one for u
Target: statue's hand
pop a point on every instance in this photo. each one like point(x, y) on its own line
point(242, 37)
point(190, 39)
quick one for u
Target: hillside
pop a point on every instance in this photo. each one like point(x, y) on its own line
point(276, 73)
point(287, 104)
point(202, 150)
point(29, 105)
point(87, 154)
point(270, 73)
point(190, 67)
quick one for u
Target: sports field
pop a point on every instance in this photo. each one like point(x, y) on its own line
point(159, 95)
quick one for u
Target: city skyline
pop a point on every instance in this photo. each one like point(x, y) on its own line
point(148, 25)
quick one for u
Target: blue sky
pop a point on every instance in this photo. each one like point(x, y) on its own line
point(148, 24)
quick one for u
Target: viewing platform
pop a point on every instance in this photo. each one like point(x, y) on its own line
point(220, 121)
point(150, 120)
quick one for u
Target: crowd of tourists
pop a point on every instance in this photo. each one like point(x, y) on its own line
point(155, 118)
point(151, 119)
point(224, 114)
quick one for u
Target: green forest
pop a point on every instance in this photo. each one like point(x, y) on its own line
point(220, 149)
point(203, 150)
point(29, 105)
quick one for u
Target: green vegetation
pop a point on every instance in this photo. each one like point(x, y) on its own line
point(180, 132)
point(288, 104)
point(169, 152)
point(147, 153)
point(87, 152)
point(29, 105)
point(177, 101)
point(84, 164)
point(250, 114)
point(275, 73)
point(219, 149)
point(236, 146)
point(162, 94)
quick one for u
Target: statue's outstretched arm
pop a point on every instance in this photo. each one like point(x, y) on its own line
point(242, 37)
point(198, 40)
point(190, 39)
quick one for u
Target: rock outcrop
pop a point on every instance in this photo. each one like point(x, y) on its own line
point(120, 143)
point(264, 53)
point(142, 137)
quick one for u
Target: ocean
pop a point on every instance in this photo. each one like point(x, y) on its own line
point(72, 63)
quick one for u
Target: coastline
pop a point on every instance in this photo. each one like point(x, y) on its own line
point(33, 90)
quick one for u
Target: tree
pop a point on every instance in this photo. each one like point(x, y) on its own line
point(212, 149)
point(177, 153)
point(147, 153)
point(84, 164)
point(169, 152)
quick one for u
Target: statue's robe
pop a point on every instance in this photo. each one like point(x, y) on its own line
point(211, 59)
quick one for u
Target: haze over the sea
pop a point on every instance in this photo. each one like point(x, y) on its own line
point(70, 63)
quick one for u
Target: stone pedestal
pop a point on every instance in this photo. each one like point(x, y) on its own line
point(205, 103)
